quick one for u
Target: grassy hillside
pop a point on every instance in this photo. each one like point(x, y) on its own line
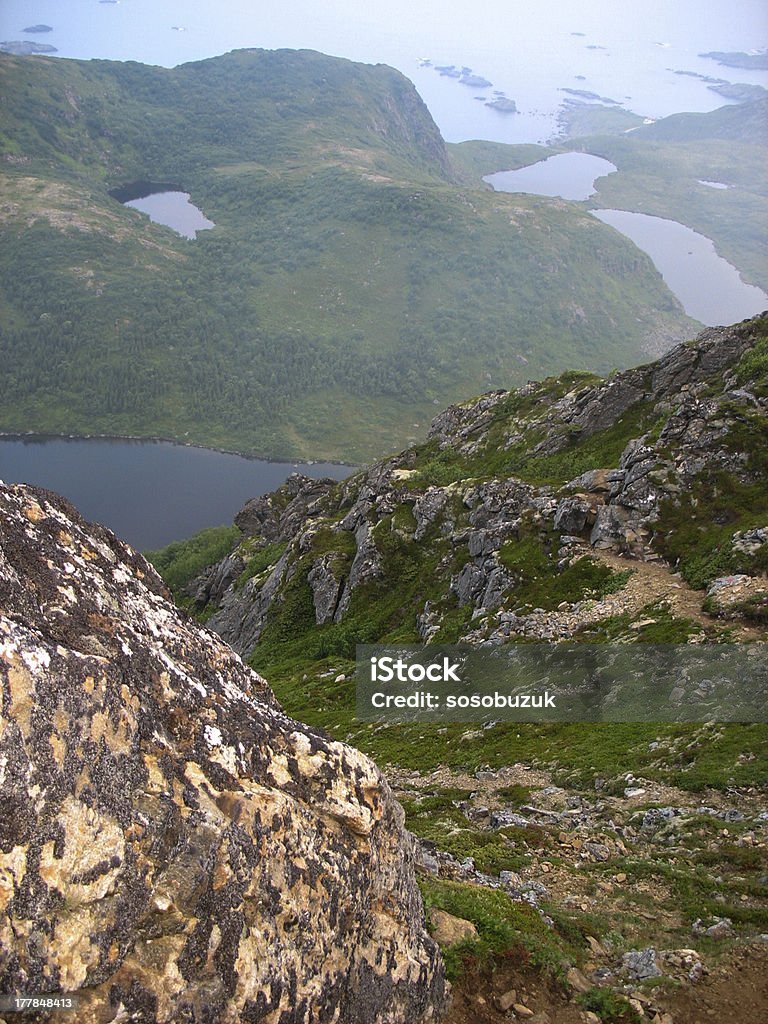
point(349, 270)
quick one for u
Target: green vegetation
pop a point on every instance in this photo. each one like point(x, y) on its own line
point(440, 820)
point(380, 610)
point(580, 119)
point(661, 167)
point(541, 585)
point(183, 560)
point(263, 559)
point(349, 268)
point(660, 170)
point(503, 927)
point(506, 448)
point(302, 659)
point(609, 1006)
point(695, 531)
point(473, 160)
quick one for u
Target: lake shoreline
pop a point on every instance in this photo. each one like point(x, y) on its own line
point(43, 436)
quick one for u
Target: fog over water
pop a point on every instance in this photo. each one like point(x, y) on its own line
point(615, 48)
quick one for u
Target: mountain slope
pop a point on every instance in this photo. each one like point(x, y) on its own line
point(489, 529)
point(596, 862)
point(347, 267)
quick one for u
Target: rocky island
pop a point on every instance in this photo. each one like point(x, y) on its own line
point(25, 48)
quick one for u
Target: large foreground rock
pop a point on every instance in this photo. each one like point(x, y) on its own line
point(172, 846)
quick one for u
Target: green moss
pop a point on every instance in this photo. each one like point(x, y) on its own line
point(752, 368)
point(701, 886)
point(609, 1006)
point(503, 926)
point(444, 824)
point(261, 560)
point(516, 417)
point(695, 530)
point(327, 539)
point(541, 584)
point(600, 450)
point(515, 795)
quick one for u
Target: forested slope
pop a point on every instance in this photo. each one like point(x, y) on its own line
point(348, 270)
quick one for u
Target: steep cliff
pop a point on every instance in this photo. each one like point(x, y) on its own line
point(172, 845)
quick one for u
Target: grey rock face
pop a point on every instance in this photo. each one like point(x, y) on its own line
point(243, 613)
point(216, 580)
point(326, 588)
point(278, 516)
point(426, 510)
point(177, 846)
point(574, 514)
point(459, 422)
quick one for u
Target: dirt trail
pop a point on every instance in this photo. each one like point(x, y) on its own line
point(735, 991)
point(655, 581)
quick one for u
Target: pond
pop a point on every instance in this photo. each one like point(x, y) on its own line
point(567, 175)
point(164, 204)
point(148, 492)
point(709, 288)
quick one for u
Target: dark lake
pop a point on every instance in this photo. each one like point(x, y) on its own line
point(148, 492)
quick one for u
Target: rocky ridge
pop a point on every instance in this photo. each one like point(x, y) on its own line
point(516, 489)
point(172, 845)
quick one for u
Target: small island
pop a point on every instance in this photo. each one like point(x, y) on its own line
point(585, 94)
point(756, 61)
point(37, 28)
point(475, 81)
point(464, 75)
point(24, 48)
point(739, 92)
point(503, 104)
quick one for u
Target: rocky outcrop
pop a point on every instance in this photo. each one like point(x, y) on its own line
point(672, 426)
point(277, 516)
point(242, 613)
point(327, 588)
point(172, 845)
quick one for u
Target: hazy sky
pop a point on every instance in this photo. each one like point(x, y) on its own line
point(628, 50)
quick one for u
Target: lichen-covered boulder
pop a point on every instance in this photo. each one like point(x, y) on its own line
point(173, 847)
